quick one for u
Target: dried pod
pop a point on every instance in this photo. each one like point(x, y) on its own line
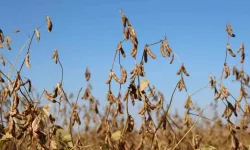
point(242, 48)
point(126, 34)
point(7, 42)
point(172, 59)
point(226, 70)
point(147, 49)
point(2, 60)
point(37, 34)
point(55, 56)
point(49, 23)
point(187, 120)
point(229, 30)
point(1, 36)
point(181, 84)
point(27, 60)
point(184, 70)
point(109, 77)
point(196, 141)
point(87, 74)
point(230, 50)
point(1, 79)
point(145, 56)
point(230, 106)
point(86, 94)
point(212, 81)
point(163, 53)
point(216, 94)
point(124, 19)
point(15, 101)
point(227, 113)
point(126, 95)
point(189, 104)
point(49, 96)
point(130, 123)
point(134, 51)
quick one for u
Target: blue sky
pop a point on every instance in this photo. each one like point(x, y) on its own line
point(86, 34)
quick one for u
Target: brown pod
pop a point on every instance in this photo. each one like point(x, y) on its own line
point(134, 50)
point(37, 34)
point(145, 56)
point(124, 74)
point(109, 78)
point(15, 101)
point(230, 50)
point(7, 42)
point(126, 34)
point(148, 50)
point(172, 59)
point(27, 60)
point(2, 60)
point(55, 56)
point(49, 23)
point(130, 123)
point(229, 30)
point(226, 70)
point(116, 78)
point(1, 36)
point(126, 95)
point(163, 53)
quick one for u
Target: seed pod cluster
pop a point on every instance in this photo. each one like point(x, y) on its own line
point(224, 92)
point(129, 33)
point(229, 30)
point(182, 70)
point(181, 84)
point(189, 104)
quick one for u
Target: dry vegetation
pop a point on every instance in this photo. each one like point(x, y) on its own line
point(26, 124)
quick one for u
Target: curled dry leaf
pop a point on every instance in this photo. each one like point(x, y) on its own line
point(37, 34)
point(49, 23)
point(27, 60)
point(144, 84)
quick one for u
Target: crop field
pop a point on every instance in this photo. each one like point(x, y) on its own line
point(58, 119)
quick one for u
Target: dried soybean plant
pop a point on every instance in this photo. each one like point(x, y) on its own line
point(73, 125)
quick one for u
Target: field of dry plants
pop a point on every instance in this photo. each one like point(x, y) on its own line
point(27, 124)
